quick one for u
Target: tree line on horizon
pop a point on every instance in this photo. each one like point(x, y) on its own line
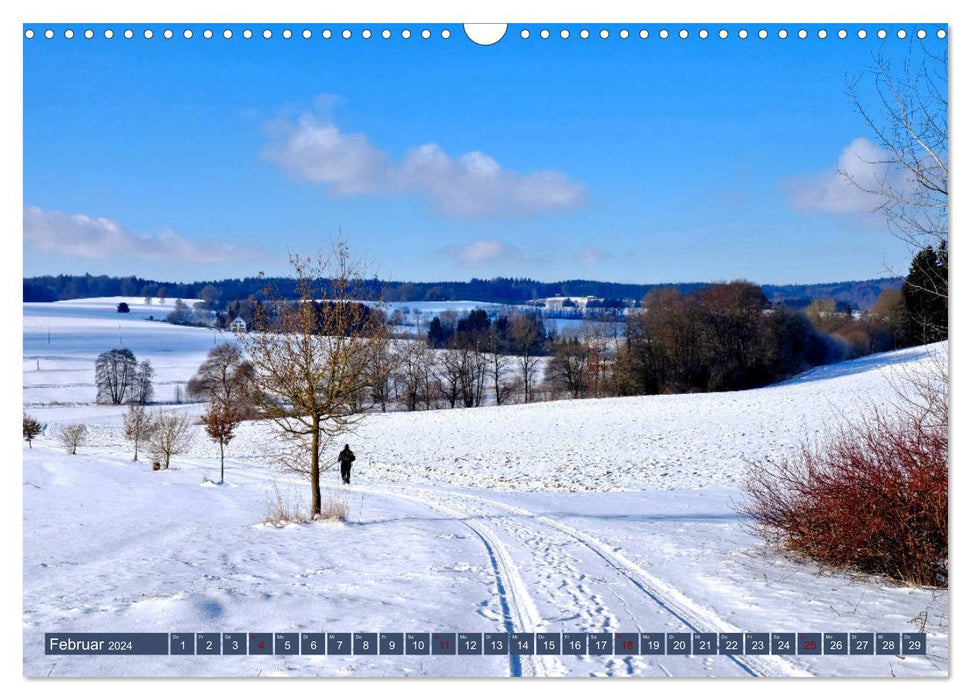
point(859, 294)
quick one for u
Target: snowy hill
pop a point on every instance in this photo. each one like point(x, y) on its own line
point(591, 515)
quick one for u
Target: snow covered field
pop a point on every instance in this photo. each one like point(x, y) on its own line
point(593, 515)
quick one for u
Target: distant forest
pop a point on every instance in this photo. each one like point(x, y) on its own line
point(501, 290)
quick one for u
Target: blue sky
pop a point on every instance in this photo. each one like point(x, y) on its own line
point(628, 160)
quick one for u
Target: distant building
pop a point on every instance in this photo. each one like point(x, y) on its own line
point(559, 302)
point(238, 325)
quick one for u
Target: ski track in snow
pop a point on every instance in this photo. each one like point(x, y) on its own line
point(517, 609)
point(568, 586)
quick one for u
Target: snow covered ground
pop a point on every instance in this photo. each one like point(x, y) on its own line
point(596, 515)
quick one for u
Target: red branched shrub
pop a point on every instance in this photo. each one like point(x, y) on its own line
point(874, 498)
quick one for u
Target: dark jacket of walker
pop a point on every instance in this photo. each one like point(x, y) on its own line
point(345, 458)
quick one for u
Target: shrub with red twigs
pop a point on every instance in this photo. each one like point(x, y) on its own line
point(872, 499)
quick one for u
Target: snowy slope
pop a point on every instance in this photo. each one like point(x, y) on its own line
point(663, 442)
point(594, 515)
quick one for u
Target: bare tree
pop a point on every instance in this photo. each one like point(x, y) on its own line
point(474, 363)
point(310, 358)
point(603, 348)
point(139, 424)
point(115, 372)
point(141, 389)
point(569, 369)
point(449, 371)
point(224, 377)
point(181, 314)
point(461, 372)
point(498, 364)
point(32, 429)
point(910, 123)
point(524, 332)
point(221, 421)
point(71, 436)
point(173, 435)
point(381, 372)
point(413, 376)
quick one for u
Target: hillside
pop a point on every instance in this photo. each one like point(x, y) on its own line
point(592, 515)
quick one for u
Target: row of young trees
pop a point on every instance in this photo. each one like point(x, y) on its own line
point(163, 434)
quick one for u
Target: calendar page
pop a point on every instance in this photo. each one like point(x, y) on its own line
point(511, 350)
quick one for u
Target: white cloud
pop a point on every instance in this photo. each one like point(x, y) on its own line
point(863, 162)
point(314, 151)
point(483, 250)
point(592, 256)
point(472, 185)
point(97, 238)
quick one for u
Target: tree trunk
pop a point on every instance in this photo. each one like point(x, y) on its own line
point(222, 464)
point(315, 469)
point(136, 451)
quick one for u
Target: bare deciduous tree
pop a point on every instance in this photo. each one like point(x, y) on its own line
point(381, 372)
point(475, 364)
point(114, 374)
point(603, 350)
point(449, 370)
point(910, 124)
point(524, 332)
point(120, 378)
point(224, 377)
point(310, 358)
point(32, 428)
point(141, 389)
point(498, 364)
point(173, 435)
point(908, 118)
point(569, 369)
point(139, 424)
point(414, 375)
point(71, 436)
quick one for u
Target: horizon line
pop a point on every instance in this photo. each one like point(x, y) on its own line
point(470, 280)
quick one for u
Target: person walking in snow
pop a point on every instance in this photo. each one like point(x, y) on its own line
point(345, 458)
